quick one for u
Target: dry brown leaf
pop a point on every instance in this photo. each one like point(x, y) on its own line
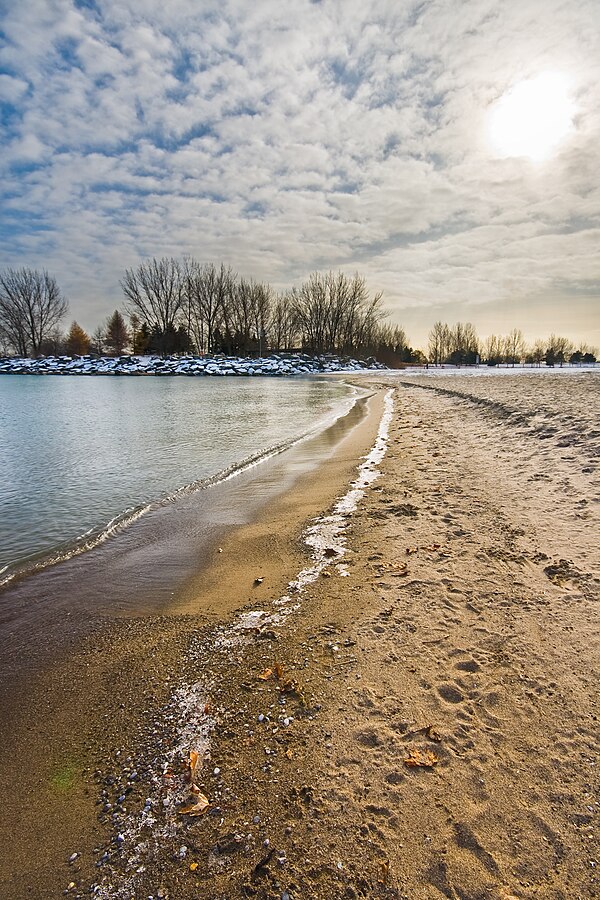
point(193, 866)
point(197, 808)
point(278, 671)
point(192, 763)
point(384, 872)
point(264, 676)
point(424, 759)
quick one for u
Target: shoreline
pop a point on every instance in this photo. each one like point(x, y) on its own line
point(462, 635)
point(154, 563)
point(69, 694)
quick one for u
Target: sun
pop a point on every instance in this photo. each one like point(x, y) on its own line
point(532, 118)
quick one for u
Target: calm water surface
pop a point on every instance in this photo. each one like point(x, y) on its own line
point(76, 453)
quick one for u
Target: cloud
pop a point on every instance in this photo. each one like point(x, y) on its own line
point(288, 137)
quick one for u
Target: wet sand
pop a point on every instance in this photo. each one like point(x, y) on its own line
point(460, 633)
point(150, 567)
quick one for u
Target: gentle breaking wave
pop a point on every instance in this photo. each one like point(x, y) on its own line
point(96, 536)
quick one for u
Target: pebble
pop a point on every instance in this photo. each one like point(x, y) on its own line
point(216, 771)
point(73, 857)
point(256, 820)
point(261, 718)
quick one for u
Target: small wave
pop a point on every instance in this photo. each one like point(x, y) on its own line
point(96, 536)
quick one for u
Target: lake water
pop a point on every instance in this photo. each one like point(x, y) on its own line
point(81, 458)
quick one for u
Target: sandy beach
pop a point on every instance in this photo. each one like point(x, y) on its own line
point(404, 707)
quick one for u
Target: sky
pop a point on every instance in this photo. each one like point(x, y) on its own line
point(288, 136)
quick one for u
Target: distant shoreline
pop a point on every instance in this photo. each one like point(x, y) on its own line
point(273, 365)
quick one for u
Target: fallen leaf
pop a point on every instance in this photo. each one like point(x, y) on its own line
point(192, 764)
point(264, 676)
point(193, 867)
point(420, 759)
point(197, 808)
point(278, 671)
point(384, 872)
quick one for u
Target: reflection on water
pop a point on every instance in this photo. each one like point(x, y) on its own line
point(77, 452)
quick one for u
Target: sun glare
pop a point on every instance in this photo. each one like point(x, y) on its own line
point(532, 118)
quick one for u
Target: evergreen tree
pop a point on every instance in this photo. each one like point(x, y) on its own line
point(78, 341)
point(117, 335)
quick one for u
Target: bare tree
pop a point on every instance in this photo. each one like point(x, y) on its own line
point(310, 308)
point(261, 313)
point(155, 291)
point(493, 349)
point(31, 306)
point(464, 344)
point(439, 343)
point(98, 341)
point(558, 349)
point(514, 346)
point(537, 352)
point(336, 313)
point(284, 330)
point(208, 292)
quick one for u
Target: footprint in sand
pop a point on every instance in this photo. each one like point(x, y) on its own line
point(469, 665)
point(450, 694)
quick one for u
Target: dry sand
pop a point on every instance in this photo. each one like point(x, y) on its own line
point(464, 635)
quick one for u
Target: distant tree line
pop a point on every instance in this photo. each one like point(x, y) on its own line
point(459, 345)
point(182, 306)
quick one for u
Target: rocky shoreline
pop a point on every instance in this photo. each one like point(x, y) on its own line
point(277, 364)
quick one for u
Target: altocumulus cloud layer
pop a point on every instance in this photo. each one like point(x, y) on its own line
point(284, 137)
